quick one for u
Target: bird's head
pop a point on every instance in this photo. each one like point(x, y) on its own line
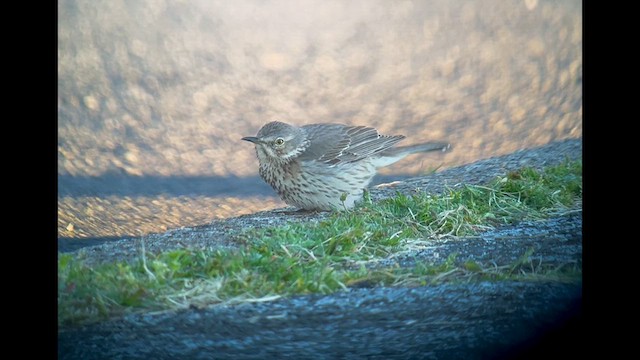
point(278, 141)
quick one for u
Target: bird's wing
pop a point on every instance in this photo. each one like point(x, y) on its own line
point(337, 143)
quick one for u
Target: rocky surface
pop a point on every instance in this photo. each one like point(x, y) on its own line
point(467, 321)
point(448, 321)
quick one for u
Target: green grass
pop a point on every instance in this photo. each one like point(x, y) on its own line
point(339, 252)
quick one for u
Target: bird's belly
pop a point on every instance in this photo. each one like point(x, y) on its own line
point(319, 187)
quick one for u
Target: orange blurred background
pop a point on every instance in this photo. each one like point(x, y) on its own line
point(154, 96)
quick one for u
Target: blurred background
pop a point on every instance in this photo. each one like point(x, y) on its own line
point(154, 95)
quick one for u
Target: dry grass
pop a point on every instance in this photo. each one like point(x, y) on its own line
point(344, 250)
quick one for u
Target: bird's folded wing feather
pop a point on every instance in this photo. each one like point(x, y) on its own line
point(335, 143)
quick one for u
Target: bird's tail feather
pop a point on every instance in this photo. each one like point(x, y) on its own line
point(424, 147)
point(391, 155)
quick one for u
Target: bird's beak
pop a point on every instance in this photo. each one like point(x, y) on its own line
point(252, 139)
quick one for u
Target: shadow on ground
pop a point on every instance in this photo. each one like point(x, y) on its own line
point(129, 185)
point(176, 191)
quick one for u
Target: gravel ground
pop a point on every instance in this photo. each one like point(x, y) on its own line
point(484, 320)
point(470, 321)
point(154, 96)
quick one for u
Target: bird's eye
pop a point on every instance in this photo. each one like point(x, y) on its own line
point(279, 141)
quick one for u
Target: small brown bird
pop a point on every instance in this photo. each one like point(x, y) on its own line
point(326, 166)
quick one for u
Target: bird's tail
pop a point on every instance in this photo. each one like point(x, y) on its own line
point(391, 155)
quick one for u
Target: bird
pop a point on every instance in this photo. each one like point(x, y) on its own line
point(326, 166)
